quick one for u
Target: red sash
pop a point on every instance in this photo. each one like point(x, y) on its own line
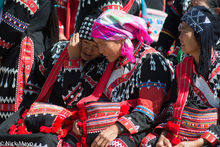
point(48, 85)
point(184, 73)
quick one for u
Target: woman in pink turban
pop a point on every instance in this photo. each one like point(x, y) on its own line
point(139, 73)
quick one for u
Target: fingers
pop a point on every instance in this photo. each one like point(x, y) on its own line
point(74, 40)
point(76, 129)
point(77, 37)
point(100, 141)
point(163, 142)
point(167, 143)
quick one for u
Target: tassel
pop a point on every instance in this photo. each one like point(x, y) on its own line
point(45, 129)
point(175, 141)
point(174, 128)
point(83, 140)
point(78, 145)
point(124, 110)
point(74, 115)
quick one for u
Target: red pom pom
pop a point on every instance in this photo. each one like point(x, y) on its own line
point(149, 31)
point(55, 130)
point(64, 132)
point(45, 129)
point(124, 110)
point(21, 127)
point(68, 122)
point(13, 127)
point(20, 121)
point(78, 145)
point(56, 124)
point(12, 132)
point(174, 128)
point(175, 141)
point(83, 140)
point(80, 124)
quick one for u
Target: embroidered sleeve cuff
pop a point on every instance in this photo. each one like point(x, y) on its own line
point(72, 63)
point(128, 124)
point(210, 137)
point(146, 111)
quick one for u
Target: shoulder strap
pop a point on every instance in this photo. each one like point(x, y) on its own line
point(184, 73)
point(68, 18)
point(100, 87)
point(46, 89)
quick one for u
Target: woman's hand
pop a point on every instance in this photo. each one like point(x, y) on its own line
point(196, 143)
point(74, 48)
point(76, 128)
point(106, 137)
point(163, 141)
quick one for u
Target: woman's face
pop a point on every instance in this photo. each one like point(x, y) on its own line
point(89, 50)
point(109, 48)
point(188, 41)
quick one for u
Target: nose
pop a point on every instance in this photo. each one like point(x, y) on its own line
point(180, 36)
point(100, 50)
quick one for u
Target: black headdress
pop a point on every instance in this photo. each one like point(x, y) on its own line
point(206, 25)
point(86, 27)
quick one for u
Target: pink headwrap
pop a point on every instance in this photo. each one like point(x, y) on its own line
point(119, 25)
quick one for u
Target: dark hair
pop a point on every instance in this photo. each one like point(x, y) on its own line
point(52, 25)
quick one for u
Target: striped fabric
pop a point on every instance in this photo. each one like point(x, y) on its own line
point(101, 115)
point(14, 22)
point(184, 74)
point(146, 111)
point(195, 122)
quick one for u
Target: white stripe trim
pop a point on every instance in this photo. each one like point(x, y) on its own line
point(205, 89)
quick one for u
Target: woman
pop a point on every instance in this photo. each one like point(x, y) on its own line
point(27, 29)
point(135, 76)
point(193, 116)
point(77, 76)
point(82, 54)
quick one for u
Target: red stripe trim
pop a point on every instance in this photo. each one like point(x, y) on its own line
point(201, 95)
point(90, 80)
point(210, 138)
point(31, 5)
point(46, 89)
point(214, 72)
point(75, 97)
point(7, 107)
point(128, 125)
point(5, 44)
point(128, 6)
point(184, 74)
point(24, 68)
